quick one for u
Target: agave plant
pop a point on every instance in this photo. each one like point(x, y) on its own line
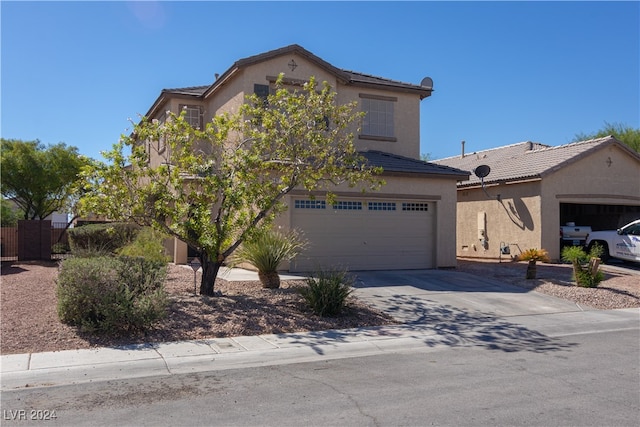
point(266, 250)
point(533, 255)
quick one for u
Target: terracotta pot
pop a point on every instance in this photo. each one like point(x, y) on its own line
point(270, 279)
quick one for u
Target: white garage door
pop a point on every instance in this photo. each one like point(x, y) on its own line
point(359, 234)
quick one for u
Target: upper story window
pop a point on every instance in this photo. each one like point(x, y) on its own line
point(193, 115)
point(378, 122)
point(262, 91)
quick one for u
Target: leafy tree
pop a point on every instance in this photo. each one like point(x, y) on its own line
point(215, 187)
point(8, 216)
point(40, 180)
point(623, 133)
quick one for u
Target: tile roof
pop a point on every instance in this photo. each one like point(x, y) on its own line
point(395, 164)
point(348, 77)
point(191, 90)
point(525, 160)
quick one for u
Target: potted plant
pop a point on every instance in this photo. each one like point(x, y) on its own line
point(266, 250)
point(533, 256)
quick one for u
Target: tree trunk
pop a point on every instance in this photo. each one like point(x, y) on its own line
point(209, 273)
point(67, 227)
point(594, 264)
point(577, 270)
point(531, 269)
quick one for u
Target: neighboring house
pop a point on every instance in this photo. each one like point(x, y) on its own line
point(408, 224)
point(532, 189)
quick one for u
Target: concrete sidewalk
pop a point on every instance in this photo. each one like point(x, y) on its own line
point(438, 309)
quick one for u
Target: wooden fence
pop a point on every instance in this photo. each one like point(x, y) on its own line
point(34, 240)
point(9, 243)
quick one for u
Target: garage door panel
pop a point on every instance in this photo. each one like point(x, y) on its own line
point(364, 239)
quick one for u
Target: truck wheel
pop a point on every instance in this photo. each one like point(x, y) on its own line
point(605, 250)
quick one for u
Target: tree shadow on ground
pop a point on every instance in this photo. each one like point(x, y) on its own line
point(7, 268)
point(192, 317)
point(442, 325)
point(12, 267)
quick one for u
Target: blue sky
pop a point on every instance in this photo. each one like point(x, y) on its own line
point(503, 72)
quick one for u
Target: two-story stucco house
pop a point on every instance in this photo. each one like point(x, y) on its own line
point(408, 224)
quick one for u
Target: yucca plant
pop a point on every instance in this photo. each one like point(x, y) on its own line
point(327, 291)
point(533, 255)
point(266, 250)
point(587, 276)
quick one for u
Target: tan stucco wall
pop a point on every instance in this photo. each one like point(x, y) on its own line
point(406, 116)
point(257, 73)
point(231, 94)
point(229, 97)
point(591, 180)
point(513, 220)
point(406, 108)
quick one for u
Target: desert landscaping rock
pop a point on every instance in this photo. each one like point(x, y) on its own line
point(29, 321)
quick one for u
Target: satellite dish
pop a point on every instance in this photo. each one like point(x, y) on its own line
point(427, 82)
point(482, 171)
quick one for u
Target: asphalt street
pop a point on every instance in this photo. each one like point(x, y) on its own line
point(581, 380)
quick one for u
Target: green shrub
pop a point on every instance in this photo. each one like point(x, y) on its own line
point(585, 279)
point(60, 248)
point(574, 254)
point(148, 245)
point(79, 286)
point(108, 295)
point(101, 239)
point(584, 276)
point(266, 250)
point(326, 294)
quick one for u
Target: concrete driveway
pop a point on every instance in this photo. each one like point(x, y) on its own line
point(412, 296)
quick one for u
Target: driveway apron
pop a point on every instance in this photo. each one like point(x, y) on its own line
point(411, 296)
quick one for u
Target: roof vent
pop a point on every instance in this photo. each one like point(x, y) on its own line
point(216, 75)
point(462, 152)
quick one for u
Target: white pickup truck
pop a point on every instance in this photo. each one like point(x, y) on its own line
point(623, 243)
point(573, 235)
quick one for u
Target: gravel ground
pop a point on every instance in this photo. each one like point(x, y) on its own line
point(619, 289)
point(29, 322)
